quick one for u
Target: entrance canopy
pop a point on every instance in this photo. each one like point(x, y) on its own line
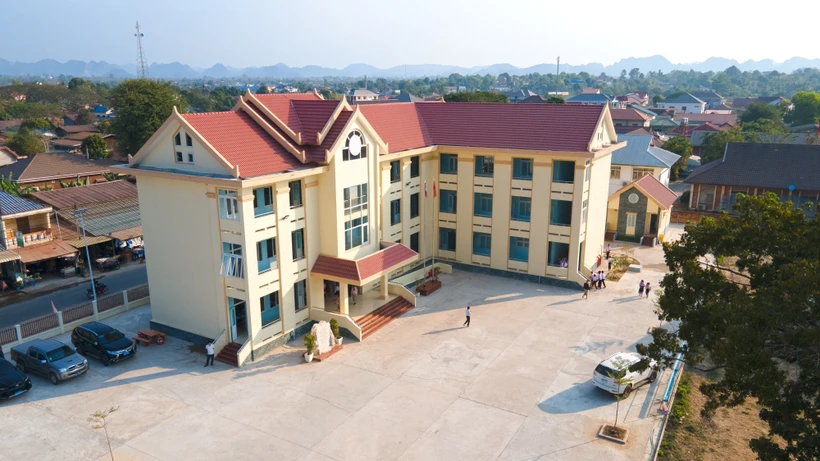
point(364, 270)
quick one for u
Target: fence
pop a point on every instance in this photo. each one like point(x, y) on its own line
point(55, 324)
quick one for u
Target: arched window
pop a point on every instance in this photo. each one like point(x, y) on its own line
point(355, 146)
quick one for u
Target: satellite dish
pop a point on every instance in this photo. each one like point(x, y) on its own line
point(791, 187)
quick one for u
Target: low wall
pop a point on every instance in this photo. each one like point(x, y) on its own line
point(398, 289)
point(411, 277)
point(344, 321)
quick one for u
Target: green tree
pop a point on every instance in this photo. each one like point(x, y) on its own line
point(141, 105)
point(757, 111)
point(765, 125)
point(37, 124)
point(806, 108)
point(476, 96)
point(26, 142)
point(682, 147)
point(714, 144)
point(8, 185)
point(105, 127)
point(556, 100)
point(83, 117)
point(263, 89)
point(76, 83)
point(757, 319)
point(94, 145)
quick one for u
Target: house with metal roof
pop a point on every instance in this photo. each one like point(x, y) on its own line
point(255, 218)
point(52, 169)
point(684, 102)
point(600, 99)
point(637, 159)
point(788, 170)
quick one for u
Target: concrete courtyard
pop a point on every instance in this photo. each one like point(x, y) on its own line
point(514, 386)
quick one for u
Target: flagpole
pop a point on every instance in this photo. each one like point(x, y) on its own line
point(424, 260)
point(432, 238)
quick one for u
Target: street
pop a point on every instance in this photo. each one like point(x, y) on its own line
point(123, 279)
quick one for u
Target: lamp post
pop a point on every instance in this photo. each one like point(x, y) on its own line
point(79, 213)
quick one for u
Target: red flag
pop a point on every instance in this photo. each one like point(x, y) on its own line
point(434, 189)
point(53, 307)
point(425, 189)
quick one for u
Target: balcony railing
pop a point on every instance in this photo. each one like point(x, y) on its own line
point(32, 238)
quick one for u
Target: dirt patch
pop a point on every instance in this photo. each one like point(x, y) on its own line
point(620, 264)
point(723, 437)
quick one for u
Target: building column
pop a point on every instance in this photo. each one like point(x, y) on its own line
point(383, 287)
point(344, 299)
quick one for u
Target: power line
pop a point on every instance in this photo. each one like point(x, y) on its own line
point(142, 66)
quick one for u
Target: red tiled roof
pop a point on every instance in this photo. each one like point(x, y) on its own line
point(629, 114)
point(280, 104)
point(238, 138)
point(706, 127)
point(313, 116)
point(317, 153)
point(399, 125)
point(359, 270)
point(660, 193)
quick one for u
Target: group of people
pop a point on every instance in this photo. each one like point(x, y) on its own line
point(597, 281)
point(644, 288)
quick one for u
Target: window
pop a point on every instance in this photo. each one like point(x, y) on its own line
point(297, 240)
point(522, 168)
point(638, 173)
point(231, 260)
point(484, 166)
point(519, 249)
point(295, 193)
point(395, 171)
point(414, 205)
point(266, 255)
point(179, 157)
point(414, 242)
point(481, 244)
point(561, 212)
point(395, 212)
point(584, 212)
point(558, 254)
point(449, 164)
point(447, 203)
point(563, 171)
point(356, 214)
point(178, 139)
point(615, 172)
point(262, 201)
point(355, 147)
point(300, 294)
point(269, 305)
point(587, 172)
point(188, 141)
point(228, 205)
point(415, 163)
point(521, 208)
point(483, 205)
point(446, 239)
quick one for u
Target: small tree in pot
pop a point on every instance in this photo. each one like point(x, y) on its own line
point(310, 346)
point(334, 327)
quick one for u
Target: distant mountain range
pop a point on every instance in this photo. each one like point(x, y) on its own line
point(176, 70)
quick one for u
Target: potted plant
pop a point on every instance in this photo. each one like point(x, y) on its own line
point(334, 327)
point(420, 284)
point(310, 346)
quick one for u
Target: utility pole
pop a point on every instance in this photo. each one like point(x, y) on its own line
point(79, 213)
point(558, 67)
point(142, 66)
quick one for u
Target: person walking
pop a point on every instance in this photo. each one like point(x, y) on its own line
point(608, 251)
point(594, 281)
point(641, 288)
point(209, 350)
point(586, 290)
point(353, 292)
point(647, 289)
point(602, 279)
point(467, 322)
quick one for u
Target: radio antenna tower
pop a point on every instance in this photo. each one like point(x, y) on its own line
point(142, 66)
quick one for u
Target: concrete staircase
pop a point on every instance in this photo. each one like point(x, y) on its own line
point(373, 321)
point(228, 354)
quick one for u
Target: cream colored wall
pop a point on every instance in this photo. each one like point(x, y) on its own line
point(662, 174)
point(163, 155)
point(597, 209)
point(181, 230)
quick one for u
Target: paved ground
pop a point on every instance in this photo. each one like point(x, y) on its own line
point(514, 386)
point(129, 275)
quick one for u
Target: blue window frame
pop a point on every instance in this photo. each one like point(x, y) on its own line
point(262, 201)
point(484, 166)
point(558, 254)
point(395, 171)
point(414, 205)
point(483, 205)
point(521, 208)
point(269, 305)
point(561, 212)
point(519, 249)
point(522, 168)
point(395, 212)
point(448, 201)
point(449, 164)
point(563, 171)
point(481, 244)
point(415, 166)
point(446, 239)
point(297, 241)
point(266, 255)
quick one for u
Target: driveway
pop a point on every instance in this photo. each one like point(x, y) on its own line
point(516, 385)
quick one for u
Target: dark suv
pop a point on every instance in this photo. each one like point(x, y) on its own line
point(101, 341)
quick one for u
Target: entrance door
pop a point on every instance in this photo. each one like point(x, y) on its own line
point(631, 219)
point(653, 224)
point(232, 313)
point(238, 318)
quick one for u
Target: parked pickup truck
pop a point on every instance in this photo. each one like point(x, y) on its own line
point(49, 358)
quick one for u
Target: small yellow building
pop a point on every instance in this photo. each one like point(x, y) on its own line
point(255, 217)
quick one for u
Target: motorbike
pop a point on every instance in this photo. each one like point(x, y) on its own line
point(100, 287)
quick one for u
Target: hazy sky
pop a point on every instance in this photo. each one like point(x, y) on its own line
point(393, 32)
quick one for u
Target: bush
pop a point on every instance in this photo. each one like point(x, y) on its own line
point(310, 343)
point(681, 406)
point(334, 327)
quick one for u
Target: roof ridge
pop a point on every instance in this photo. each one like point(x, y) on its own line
point(658, 181)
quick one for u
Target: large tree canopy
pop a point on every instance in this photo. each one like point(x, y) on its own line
point(476, 96)
point(760, 111)
point(757, 319)
point(142, 106)
point(94, 145)
point(714, 144)
point(806, 108)
point(682, 147)
point(26, 142)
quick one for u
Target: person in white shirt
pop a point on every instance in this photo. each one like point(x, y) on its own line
point(467, 322)
point(209, 349)
point(594, 279)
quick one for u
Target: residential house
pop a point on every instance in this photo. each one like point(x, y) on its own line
point(599, 99)
point(642, 96)
point(741, 103)
point(788, 170)
point(323, 194)
point(627, 100)
point(715, 119)
point(520, 95)
point(7, 156)
point(69, 119)
point(102, 113)
point(686, 130)
point(66, 130)
point(637, 159)
point(359, 95)
point(628, 119)
point(536, 99)
point(73, 142)
point(49, 169)
point(640, 211)
point(712, 99)
point(684, 102)
point(663, 124)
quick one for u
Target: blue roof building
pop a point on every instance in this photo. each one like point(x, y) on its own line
point(637, 159)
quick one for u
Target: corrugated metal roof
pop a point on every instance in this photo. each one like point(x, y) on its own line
point(105, 218)
point(12, 204)
point(92, 193)
point(639, 152)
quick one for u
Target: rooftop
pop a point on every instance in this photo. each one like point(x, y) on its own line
point(640, 152)
point(685, 98)
point(54, 165)
point(12, 204)
point(93, 193)
point(629, 114)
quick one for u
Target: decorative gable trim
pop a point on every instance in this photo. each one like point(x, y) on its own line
point(248, 96)
point(362, 120)
point(320, 137)
point(299, 154)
